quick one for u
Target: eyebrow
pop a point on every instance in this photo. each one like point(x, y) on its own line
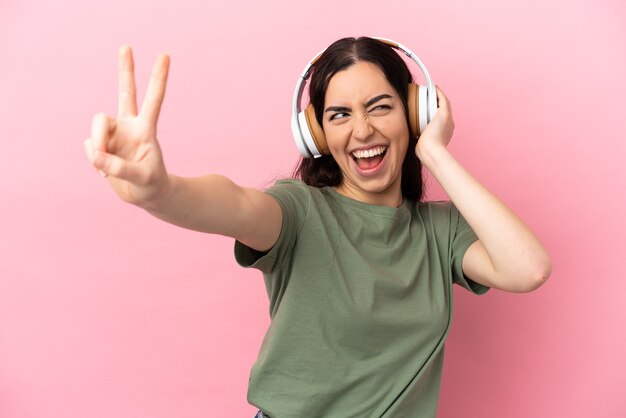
point(367, 104)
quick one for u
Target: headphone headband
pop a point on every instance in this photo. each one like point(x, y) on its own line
point(301, 131)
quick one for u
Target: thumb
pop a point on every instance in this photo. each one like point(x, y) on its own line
point(118, 168)
point(102, 127)
point(91, 155)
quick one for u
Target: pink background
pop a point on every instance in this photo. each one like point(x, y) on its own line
point(108, 312)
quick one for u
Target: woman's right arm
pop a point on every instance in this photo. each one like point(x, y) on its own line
point(126, 151)
point(216, 205)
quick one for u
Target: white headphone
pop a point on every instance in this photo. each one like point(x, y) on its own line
point(308, 134)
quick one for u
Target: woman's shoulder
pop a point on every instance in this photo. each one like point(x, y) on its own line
point(291, 193)
point(289, 183)
point(434, 205)
point(436, 210)
point(292, 187)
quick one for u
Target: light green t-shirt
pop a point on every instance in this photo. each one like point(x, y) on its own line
point(360, 305)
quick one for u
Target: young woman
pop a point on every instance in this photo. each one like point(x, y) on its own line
point(359, 270)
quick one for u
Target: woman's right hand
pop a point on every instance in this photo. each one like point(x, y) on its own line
point(125, 149)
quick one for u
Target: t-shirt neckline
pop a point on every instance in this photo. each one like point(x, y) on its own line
point(379, 210)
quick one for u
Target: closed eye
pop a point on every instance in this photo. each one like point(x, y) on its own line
point(380, 109)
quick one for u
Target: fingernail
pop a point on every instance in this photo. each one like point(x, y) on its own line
point(102, 174)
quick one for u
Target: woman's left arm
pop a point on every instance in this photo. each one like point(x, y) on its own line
point(507, 255)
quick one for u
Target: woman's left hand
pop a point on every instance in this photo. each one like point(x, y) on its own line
point(439, 130)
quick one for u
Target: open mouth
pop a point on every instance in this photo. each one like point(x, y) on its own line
point(369, 159)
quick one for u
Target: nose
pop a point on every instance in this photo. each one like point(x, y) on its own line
point(362, 128)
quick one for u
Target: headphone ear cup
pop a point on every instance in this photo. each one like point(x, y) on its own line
point(316, 131)
point(417, 103)
point(424, 116)
point(413, 109)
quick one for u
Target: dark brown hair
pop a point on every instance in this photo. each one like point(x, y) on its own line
point(324, 171)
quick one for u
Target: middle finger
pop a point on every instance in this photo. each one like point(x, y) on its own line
point(127, 101)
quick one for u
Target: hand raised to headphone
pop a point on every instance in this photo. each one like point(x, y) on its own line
point(125, 148)
point(439, 130)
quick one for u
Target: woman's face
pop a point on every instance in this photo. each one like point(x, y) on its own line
point(367, 133)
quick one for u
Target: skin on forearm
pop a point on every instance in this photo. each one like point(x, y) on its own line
point(515, 252)
point(216, 205)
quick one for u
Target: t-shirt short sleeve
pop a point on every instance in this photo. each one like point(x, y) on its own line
point(462, 237)
point(293, 197)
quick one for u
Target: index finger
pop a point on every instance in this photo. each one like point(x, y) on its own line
point(156, 89)
point(127, 100)
point(442, 99)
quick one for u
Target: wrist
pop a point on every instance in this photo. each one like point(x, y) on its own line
point(431, 154)
point(163, 193)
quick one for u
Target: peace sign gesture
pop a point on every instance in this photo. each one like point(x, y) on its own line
point(126, 148)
